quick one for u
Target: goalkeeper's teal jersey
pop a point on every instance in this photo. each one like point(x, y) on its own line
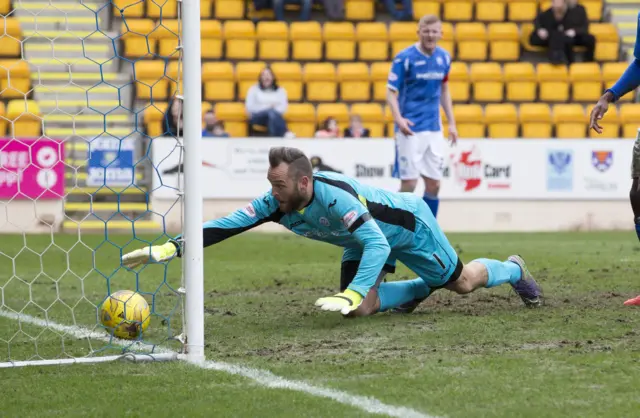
point(369, 221)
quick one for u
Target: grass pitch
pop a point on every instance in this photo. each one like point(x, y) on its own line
point(457, 356)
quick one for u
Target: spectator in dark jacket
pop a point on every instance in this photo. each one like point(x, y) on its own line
point(355, 129)
point(561, 28)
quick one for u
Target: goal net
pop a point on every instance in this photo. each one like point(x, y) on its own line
point(80, 81)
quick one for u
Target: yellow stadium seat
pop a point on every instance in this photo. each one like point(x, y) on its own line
point(522, 10)
point(570, 121)
point(594, 9)
point(153, 119)
point(488, 85)
point(607, 41)
point(459, 82)
point(469, 120)
point(15, 78)
point(151, 82)
point(355, 84)
point(611, 72)
point(229, 9)
point(301, 119)
point(401, 36)
point(3, 120)
point(535, 120)
point(373, 41)
point(471, 40)
point(259, 15)
point(167, 37)
point(359, 10)
point(340, 41)
point(289, 76)
point(206, 7)
point(520, 78)
point(379, 77)
point(167, 9)
point(219, 81)
point(247, 74)
point(25, 119)
point(554, 82)
point(240, 40)
point(425, 7)
point(338, 111)
point(586, 81)
point(136, 39)
point(320, 80)
point(630, 119)
point(388, 121)
point(234, 117)
point(211, 43)
point(457, 10)
point(525, 33)
point(504, 42)
point(491, 10)
point(306, 39)
point(447, 41)
point(501, 120)
point(610, 124)
point(274, 40)
point(128, 9)
point(174, 74)
point(372, 117)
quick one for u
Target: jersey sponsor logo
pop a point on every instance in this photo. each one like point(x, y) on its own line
point(430, 76)
point(249, 210)
point(349, 219)
point(324, 221)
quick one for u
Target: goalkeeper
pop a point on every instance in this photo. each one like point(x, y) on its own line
point(375, 228)
point(629, 80)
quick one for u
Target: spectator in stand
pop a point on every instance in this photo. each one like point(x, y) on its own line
point(173, 118)
point(560, 28)
point(355, 129)
point(266, 104)
point(329, 129)
point(405, 14)
point(305, 8)
point(213, 128)
point(334, 9)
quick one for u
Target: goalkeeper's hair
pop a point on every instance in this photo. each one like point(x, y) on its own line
point(299, 164)
point(428, 20)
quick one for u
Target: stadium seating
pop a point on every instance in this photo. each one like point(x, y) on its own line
point(610, 124)
point(15, 78)
point(25, 118)
point(341, 68)
point(3, 119)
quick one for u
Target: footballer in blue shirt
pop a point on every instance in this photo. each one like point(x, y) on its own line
point(375, 227)
point(629, 81)
point(416, 88)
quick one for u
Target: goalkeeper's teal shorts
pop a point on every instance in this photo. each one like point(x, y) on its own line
point(430, 256)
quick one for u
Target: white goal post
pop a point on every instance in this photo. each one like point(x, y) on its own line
point(75, 181)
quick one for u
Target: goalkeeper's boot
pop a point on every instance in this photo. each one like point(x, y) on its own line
point(527, 288)
point(631, 302)
point(407, 308)
point(155, 253)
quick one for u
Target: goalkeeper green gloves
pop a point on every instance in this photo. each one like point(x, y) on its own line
point(344, 302)
point(156, 253)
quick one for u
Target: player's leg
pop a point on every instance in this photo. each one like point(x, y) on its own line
point(437, 263)
point(408, 155)
point(431, 168)
point(634, 198)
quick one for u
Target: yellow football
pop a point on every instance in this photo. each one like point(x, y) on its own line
point(125, 314)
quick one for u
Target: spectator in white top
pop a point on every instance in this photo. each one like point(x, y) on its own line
point(266, 103)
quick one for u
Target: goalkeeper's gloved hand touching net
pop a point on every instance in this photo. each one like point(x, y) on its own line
point(154, 254)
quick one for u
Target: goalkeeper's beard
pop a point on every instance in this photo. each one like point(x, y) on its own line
point(295, 202)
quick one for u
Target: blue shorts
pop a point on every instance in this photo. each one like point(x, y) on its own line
point(429, 254)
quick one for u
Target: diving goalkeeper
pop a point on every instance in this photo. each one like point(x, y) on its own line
point(629, 80)
point(375, 227)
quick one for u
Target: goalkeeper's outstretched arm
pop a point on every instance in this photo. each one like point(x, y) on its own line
point(261, 210)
